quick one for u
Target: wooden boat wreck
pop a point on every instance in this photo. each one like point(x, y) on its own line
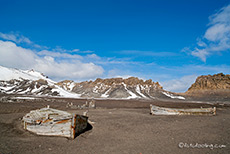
point(53, 122)
point(156, 110)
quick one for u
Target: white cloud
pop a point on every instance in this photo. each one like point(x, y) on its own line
point(148, 53)
point(179, 85)
point(58, 54)
point(83, 52)
point(93, 56)
point(217, 32)
point(184, 70)
point(75, 71)
point(15, 37)
point(222, 16)
point(201, 53)
point(14, 56)
point(19, 39)
point(75, 50)
point(216, 37)
point(118, 73)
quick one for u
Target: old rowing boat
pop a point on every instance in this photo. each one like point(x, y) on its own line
point(53, 122)
point(156, 110)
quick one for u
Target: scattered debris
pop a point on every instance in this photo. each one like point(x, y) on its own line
point(88, 105)
point(156, 110)
point(85, 113)
point(53, 122)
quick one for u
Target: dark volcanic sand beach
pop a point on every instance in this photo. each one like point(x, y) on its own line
point(119, 126)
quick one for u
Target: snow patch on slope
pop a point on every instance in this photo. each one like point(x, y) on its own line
point(71, 86)
point(132, 95)
point(65, 93)
point(172, 96)
point(105, 95)
point(138, 90)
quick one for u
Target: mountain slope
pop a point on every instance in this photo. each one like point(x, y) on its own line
point(15, 81)
point(211, 87)
point(130, 88)
point(211, 82)
point(7, 74)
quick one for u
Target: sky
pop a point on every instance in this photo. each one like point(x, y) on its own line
point(170, 42)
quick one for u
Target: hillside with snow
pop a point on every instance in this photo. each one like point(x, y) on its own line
point(8, 74)
point(30, 82)
point(119, 88)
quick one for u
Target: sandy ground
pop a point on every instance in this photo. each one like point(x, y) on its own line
point(119, 127)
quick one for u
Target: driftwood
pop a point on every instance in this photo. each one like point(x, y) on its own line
point(52, 122)
point(156, 110)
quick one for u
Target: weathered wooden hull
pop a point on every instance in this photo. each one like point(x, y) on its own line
point(156, 110)
point(52, 122)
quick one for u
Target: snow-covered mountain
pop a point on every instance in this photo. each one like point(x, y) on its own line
point(130, 88)
point(7, 74)
point(15, 81)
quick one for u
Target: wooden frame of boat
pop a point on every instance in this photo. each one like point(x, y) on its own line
point(156, 110)
point(53, 122)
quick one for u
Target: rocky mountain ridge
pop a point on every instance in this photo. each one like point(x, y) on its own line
point(14, 81)
point(211, 82)
point(115, 88)
point(210, 87)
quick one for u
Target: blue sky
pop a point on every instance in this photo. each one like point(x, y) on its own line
point(171, 42)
